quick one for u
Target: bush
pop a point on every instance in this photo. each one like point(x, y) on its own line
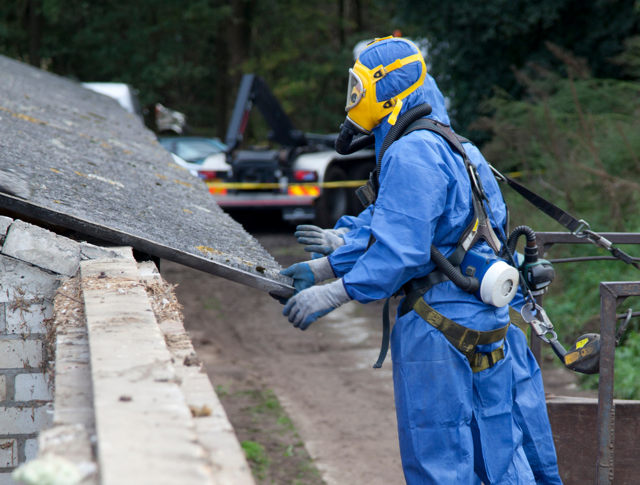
point(575, 140)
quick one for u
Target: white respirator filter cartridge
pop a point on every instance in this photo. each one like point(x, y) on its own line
point(499, 284)
point(498, 280)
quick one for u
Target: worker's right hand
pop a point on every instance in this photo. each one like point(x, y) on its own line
point(318, 240)
point(302, 275)
point(310, 273)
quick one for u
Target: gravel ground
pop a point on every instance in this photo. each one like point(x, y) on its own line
point(342, 409)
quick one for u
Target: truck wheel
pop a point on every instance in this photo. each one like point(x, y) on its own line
point(333, 203)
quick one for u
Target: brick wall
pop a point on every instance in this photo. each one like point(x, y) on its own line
point(33, 264)
point(132, 403)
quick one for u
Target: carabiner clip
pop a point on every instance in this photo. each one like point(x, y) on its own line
point(579, 232)
point(540, 322)
point(498, 175)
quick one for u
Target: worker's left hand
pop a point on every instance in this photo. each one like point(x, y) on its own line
point(320, 241)
point(307, 306)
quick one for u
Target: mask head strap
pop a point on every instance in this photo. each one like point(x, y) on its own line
point(381, 71)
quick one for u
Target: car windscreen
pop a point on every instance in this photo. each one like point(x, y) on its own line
point(195, 150)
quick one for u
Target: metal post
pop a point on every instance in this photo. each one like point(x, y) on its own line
point(606, 408)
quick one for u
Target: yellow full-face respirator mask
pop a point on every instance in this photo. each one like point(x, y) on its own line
point(364, 111)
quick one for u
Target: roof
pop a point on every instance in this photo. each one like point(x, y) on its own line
point(95, 169)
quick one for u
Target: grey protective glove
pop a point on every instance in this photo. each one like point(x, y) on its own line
point(307, 306)
point(318, 240)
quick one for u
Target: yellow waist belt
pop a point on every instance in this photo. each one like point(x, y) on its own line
point(465, 339)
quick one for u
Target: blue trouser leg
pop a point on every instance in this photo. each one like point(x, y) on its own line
point(530, 411)
point(437, 397)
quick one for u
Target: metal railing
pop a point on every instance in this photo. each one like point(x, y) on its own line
point(612, 295)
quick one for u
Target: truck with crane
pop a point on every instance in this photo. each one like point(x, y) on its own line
point(304, 177)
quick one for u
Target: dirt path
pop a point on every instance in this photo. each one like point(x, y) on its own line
point(342, 408)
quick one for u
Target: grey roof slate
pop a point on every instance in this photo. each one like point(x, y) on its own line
point(95, 169)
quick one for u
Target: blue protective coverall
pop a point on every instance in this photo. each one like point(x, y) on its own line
point(450, 420)
point(529, 406)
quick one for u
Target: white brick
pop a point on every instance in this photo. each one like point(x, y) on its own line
point(28, 320)
point(24, 421)
point(5, 479)
point(3, 387)
point(31, 449)
point(15, 354)
point(18, 279)
point(42, 248)
point(31, 387)
point(5, 222)
point(8, 453)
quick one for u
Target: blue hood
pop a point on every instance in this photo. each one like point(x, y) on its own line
point(386, 52)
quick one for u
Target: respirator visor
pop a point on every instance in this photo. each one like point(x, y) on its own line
point(355, 90)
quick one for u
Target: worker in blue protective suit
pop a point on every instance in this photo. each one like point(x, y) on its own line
point(529, 402)
point(451, 420)
point(529, 409)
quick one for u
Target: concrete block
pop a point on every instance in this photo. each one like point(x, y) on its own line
point(42, 248)
point(31, 449)
point(89, 251)
point(30, 387)
point(18, 353)
point(8, 453)
point(148, 436)
point(24, 420)
point(21, 280)
point(5, 222)
point(149, 272)
point(3, 388)
point(29, 318)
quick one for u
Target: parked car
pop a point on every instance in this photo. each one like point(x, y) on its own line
point(214, 169)
point(193, 149)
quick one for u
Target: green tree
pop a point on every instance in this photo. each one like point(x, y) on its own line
point(190, 54)
point(575, 139)
point(476, 45)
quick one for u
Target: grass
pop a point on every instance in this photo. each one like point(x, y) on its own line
point(269, 438)
point(256, 454)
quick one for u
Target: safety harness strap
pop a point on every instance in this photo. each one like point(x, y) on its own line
point(480, 227)
point(481, 361)
point(552, 210)
point(386, 331)
point(462, 139)
point(462, 338)
point(517, 320)
point(418, 287)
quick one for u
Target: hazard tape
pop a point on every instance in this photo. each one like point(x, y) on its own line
point(303, 188)
point(272, 185)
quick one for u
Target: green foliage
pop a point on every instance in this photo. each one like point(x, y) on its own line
point(575, 139)
point(627, 372)
point(190, 54)
point(256, 454)
point(476, 45)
